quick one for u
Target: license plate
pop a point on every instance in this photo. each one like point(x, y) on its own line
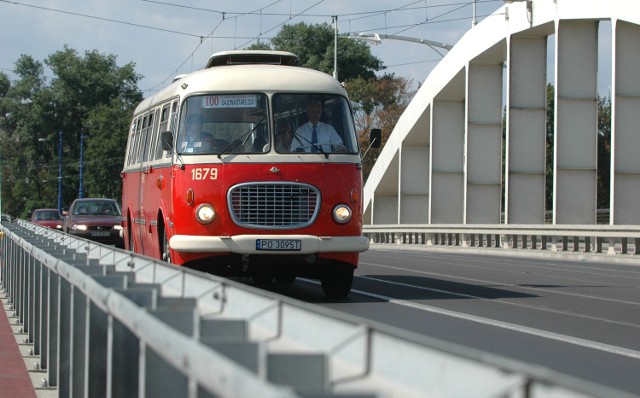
point(278, 244)
point(100, 233)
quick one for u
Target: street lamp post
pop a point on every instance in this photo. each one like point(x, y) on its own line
point(81, 187)
point(376, 38)
point(60, 172)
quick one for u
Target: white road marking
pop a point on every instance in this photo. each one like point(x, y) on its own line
point(492, 322)
point(510, 326)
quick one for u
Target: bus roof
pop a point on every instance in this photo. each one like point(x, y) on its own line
point(243, 57)
point(248, 78)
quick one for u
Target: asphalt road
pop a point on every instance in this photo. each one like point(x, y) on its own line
point(579, 318)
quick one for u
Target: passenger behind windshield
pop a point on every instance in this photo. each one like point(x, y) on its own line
point(284, 137)
point(191, 140)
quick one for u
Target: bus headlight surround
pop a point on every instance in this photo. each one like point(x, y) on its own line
point(205, 214)
point(342, 214)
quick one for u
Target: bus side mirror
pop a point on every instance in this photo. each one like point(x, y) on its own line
point(375, 138)
point(166, 138)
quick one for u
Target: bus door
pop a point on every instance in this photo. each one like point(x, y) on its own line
point(148, 125)
point(154, 182)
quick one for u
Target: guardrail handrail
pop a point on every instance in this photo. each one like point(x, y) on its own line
point(111, 322)
point(611, 239)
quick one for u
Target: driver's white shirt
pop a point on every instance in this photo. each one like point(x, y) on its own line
point(326, 134)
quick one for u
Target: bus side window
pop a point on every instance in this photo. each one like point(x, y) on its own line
point(130, 150)
point(142, 122)
point(173, 122)
point(144, 138)
point(152, 136)
point(164, 126)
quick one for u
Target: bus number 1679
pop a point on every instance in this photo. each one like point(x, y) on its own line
point(204, 173)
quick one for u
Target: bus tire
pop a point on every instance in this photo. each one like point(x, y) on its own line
point(262, 279)
point(165, 250)
point(131, 244)
point(286, 278)
point(336, 282)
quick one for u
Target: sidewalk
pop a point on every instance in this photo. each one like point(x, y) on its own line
point(16, 379)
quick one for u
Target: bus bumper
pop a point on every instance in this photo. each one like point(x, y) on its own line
point(246, 244)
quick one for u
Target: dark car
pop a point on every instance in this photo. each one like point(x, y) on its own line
point(96, 219)
point(47, 218)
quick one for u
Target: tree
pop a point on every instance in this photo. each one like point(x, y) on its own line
point(314, 46)
point(380, 103)
point(22, 173)
point(549, 144)
point(88, 95)
point(604, 152)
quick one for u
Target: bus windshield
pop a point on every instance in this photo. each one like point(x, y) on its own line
point(238, 123)
point(230, 123)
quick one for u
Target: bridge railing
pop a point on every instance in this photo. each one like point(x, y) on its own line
point(106, 322)
point(552, 238)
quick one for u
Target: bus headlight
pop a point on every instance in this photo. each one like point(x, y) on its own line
point(205, 213)
point(341, 214)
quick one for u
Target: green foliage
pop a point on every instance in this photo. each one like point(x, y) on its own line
point(604, 152)
point(549, 145)
point(88, 95)
point(379, 104)
point(314, 45)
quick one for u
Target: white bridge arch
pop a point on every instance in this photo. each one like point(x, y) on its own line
point(443, 163)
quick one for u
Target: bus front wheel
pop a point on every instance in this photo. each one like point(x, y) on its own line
point(165, 253)
point(130, 238)
point(336, 282)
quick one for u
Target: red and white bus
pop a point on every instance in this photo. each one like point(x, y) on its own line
point(207, 184)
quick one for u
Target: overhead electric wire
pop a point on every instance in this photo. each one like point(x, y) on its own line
point(101, 18)
point(226, 15)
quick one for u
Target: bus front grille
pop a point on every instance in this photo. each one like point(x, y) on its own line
point(273, 205)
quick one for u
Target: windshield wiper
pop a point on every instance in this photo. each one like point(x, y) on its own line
point(244, 137)
point(318, 147)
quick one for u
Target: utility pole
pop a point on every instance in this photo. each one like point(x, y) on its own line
point(60, 172)
point(335, 46)
point(475, 20)
point(0, 181)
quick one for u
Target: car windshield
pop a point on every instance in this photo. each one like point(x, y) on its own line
point(97, 208)
point(47, 215)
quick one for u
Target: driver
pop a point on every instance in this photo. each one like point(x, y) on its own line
point(315, 133)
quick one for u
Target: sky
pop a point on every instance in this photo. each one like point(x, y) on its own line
point(166, 38)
